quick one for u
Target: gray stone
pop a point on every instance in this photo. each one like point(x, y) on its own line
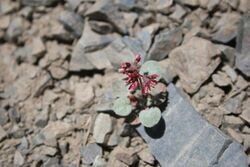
point(226, 28)
point(246, 141)
point(56, 129)
point(14, 115)
point(83, 55)
point(243, 45)
point(90, 152)
point(18, 159)
point(245, 110)
point(233, 105)
point(162, 5)
point(116, 162)
point(194, 62)
point(233, 3)
point(102, 128)
point(189, 2)
point(42, 118)
point(39, 2)
point(98, 60)
point(183, 138)
point(212, 4)
point(64, 147)
point(124, 50)
point(106, 102)
point(214, 117)
point(235, 135)
point(146, 19)
point(17, 132)
point(73, 4)
point(106, 10)
point(125, 155)
point(58, 70)
point(23, 147)
point(21, 54)
point(49, 97)
point(244, 5)
point(52, 162)
point(130, 20)
point(233, 120)
point(101, 27)
point(92, 41)
point(233, 156)
point(99, 162)
point(246, 115)
point(146, 156)
point(3, 134)
point(38, 139)
point(72, 22)
point(113, 139)
point(146, 35)
point(3, 116)
point(35, 49)
point(45, 150)
point(84, 95)
point(221, 79)
point(7, 7)
point(42, 82)
point(164, 42)
point(126, 4)
point(169, 73)
point(15, 28)
point(178, 13)
point(5, 21)
point(26, 12)
point(230, 72)
point(246, 129)
point(20, 90)
point(195, 31)
point(228, 54)
point(63, 111)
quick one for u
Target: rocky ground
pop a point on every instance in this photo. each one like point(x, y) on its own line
point(59, 58)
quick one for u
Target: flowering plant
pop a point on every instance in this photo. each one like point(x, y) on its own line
point(140, 93)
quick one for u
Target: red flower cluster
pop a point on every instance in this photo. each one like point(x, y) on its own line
point(135, 79)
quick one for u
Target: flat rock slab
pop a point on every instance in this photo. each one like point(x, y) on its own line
point(184, 138)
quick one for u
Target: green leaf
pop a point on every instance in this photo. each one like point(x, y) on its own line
point(119, 89)
point(152, 67)
point(122, 106)
point(150, 117)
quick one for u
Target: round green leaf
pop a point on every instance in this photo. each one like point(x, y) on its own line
point(152, 67)
point(122, 106)
point(150, 117)
point(119, 89)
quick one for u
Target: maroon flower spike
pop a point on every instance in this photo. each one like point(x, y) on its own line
point(138, 58)
point(135, 79)
point(149, 82)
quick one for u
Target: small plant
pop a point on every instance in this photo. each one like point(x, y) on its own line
point(141, 93)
